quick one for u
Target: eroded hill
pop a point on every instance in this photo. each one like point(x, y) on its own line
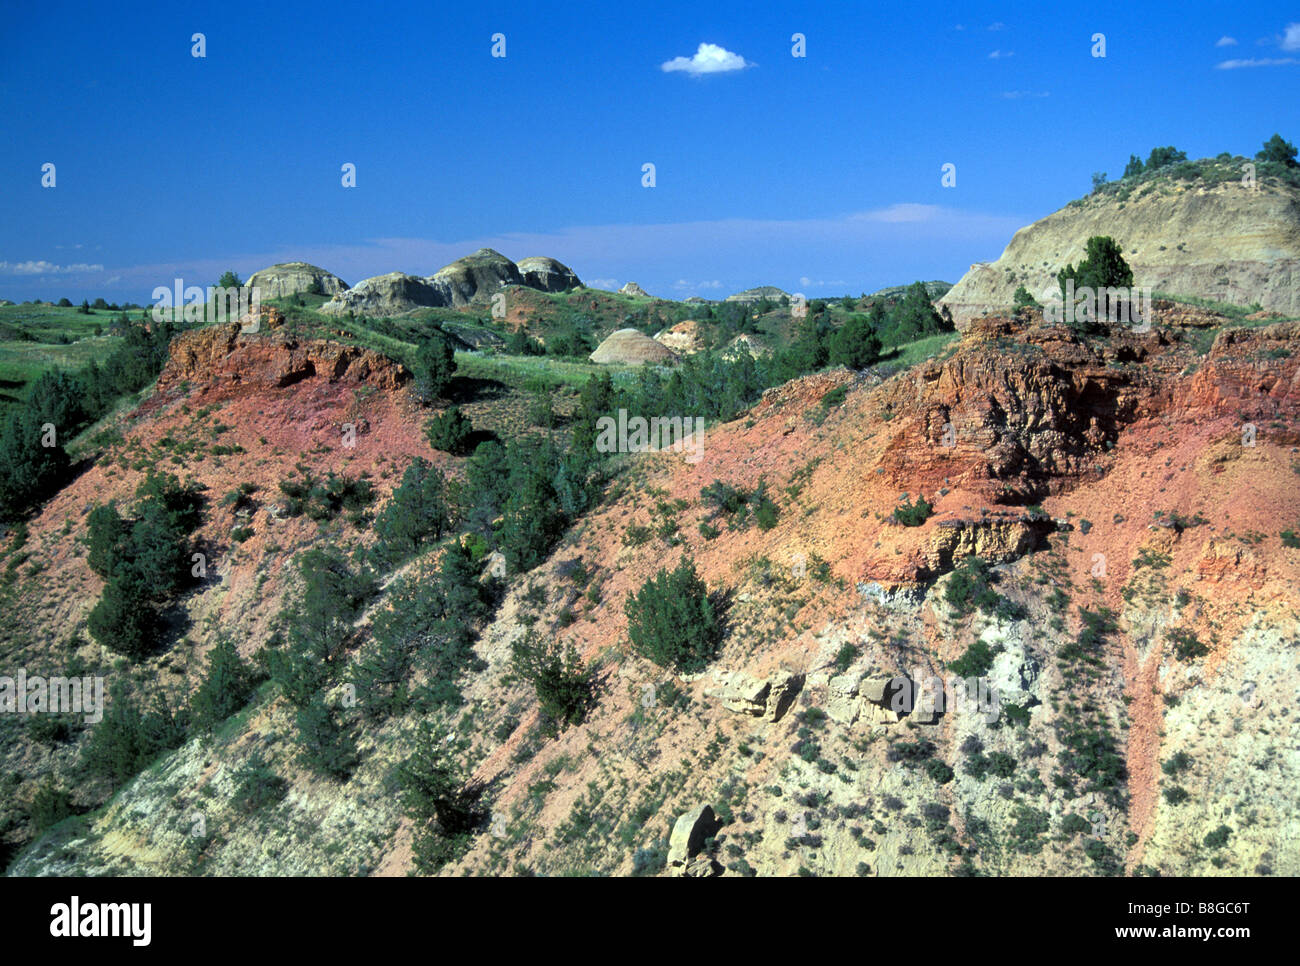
point(1200, 233)
point(1097, 528)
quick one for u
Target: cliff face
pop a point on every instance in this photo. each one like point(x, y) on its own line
point(1224, 242)
point(223, 358)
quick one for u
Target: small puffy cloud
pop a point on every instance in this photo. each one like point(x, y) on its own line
point(709, 59)
point(999, 54)
point(682, 285)
point(1256, 62)
point(998, 26)
point(609, 284)
point(45, 268)
point(1226, 41)
point(1291, 37)
point(1018, 95)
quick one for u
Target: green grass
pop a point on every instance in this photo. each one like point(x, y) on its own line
point(521, 370)
point(910, 353)
point(34, 338)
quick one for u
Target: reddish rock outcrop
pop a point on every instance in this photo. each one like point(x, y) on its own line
point(226, 358)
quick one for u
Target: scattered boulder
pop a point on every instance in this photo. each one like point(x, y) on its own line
point(689, 834)
point(631, 347)
point(766, 698)
point(702, 867)
point(292, 278)
point(547, 274)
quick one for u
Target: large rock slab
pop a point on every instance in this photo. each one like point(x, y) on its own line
point(689, 834)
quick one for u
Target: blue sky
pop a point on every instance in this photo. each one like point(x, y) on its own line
point(819, 174)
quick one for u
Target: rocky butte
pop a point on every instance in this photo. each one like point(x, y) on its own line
point(1207, 235)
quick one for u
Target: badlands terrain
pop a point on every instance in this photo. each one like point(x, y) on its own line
point(414, 641)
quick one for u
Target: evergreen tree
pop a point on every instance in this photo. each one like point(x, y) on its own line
point(124, 619)
point(1278, 151)
point(1102, 267)
point(532, 521)
point(450, 431)
point(855, 344)
point(417, 514)
point(325, 744)
point(435, 363)
point(225, 688)
point(1163, 156)
point(565, 686)
point(437, 797)
point(672, 621)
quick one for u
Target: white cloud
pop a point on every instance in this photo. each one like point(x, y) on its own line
point(45, 268)
point(1017, 95)
point(807, 282)
point(1291, 37)
point(682, 285)
point(1257, 62)
point(1226, 41)
point(998, 26)
point(743, 251)
point(903, 213)
point(999, 54)
point(609, 284)
point(709, 59)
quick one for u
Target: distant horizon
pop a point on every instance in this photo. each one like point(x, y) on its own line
point(785, 150)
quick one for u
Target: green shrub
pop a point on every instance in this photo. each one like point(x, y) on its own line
point(1023, 300)
point(971, 587)
point(225, 688)
point(257, 786)
point(1074, 824)
point(450, 431)
point(672, 621)
point(438, 799)
point(913, 514)
point(1218, 838)
point(50, 805)
point(418, 513)
point(1186, 644)
point(565, 687)
point(435, 363)
point(975, 663)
